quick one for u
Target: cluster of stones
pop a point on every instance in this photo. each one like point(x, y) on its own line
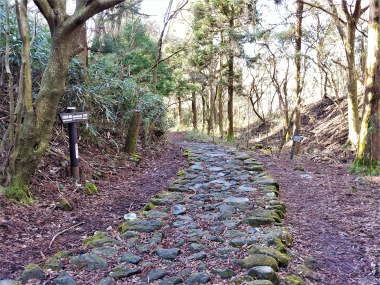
point(218, 223)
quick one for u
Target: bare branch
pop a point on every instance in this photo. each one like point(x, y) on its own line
point(46, 10)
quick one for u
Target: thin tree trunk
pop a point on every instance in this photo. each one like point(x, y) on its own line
point(368, 153)
point(194, 110)
point(180, 111)
point(230, 88)
point(297, 114)
point(221, 110)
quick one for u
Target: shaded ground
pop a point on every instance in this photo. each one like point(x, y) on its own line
point(335, 217)
point(25, 232)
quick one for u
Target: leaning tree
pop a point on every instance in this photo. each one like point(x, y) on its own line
point(27, 139)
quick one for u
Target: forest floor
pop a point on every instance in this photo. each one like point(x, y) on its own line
point(334, 215)
point(25, 232)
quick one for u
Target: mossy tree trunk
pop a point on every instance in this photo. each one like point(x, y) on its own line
point(368, 153)
point(133, 133)
point(180, 111)
point(35, 119)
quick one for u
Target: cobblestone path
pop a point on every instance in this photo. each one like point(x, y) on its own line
point(218, 223)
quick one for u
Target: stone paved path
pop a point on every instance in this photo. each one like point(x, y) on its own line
point(218, 223)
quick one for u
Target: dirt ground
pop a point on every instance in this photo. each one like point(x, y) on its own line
point(25, 232)
point(334, 217)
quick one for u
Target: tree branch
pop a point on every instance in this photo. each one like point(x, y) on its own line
point(324, 10)
point(84, 12)
point(46, 11)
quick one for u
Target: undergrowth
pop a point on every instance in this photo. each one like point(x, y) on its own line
point(371, 169)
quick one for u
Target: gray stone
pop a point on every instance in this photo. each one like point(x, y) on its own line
point(156, 239)
point(64, 279)
point(105, 251)
point(32, 271)
point(233, 234)
point(178, 209)
point(142, 226)
point(259, 282)
point(180, 242)
point(130, 258)
point(195, 247)
point(216, 239)
point(171, 280)
point(215, 169)
point(155, 214)
point(239, 242)
point(88, 261)
point(224, 273)
point(156, 274)
point(8, 282)
point(122, 272)
point(264, 272)
point(106, 281)
point(236, 200)
point(129, 234)
point(255, 260)
point(197, 256)
point(198, 278)
point(143, 248)
point(168, 253)
point(244, 188)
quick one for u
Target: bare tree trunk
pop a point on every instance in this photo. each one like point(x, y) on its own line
point(133, 133)
point(194, 110)
point(221, 110)
point(297, 114)
point(180, 111)
point(368, 153)
point(230, 88)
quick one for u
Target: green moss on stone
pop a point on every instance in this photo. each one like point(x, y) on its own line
point(32, 271)
point(18, 192)
point(293, 280)
point(98, 239)
point(149, 206)
point(90, 188)
point(258, 260)
point(282, 258)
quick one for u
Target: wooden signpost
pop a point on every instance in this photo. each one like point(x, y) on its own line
point(71, 118)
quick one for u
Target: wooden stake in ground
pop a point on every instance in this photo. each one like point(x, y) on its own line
point(133, 132)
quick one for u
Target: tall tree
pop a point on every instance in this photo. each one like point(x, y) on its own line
point(368, 153)
point(35, 118)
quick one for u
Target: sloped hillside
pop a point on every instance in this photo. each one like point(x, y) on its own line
point(324, 128)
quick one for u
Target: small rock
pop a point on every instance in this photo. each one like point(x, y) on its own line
point(130, 258)
point(197, 256)
point(141, 226)
point(105, 251)
point(178, 209)
point(236, 200)
point(195, 247)
point(260, 282)
point(156, 274)
point(197, 278)
point(8, 282)
point(264, 272)
point(107, 281)
point(130, 217)
point(64, 279)
point(171, 281)
point(32, 271)
point(224, 273)
point(122, 272)
point(258, 260)
point(88, 261)
point(168, 253)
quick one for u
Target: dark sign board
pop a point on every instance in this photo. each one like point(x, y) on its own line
point(73, 117)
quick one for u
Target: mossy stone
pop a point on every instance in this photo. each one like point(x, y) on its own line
point(282, 259)
point(98, 239)
point(88, 261)
point(264, 273)
point(64, 205)
point(32, 271)
point(258, 260)
point(54, 262)
point(293, 280)
point(224, 273)
point(64, 279)
point(90, 188)
point(260, 282)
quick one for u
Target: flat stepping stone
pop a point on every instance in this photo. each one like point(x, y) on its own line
point(265, 273)
point(88, 261)
point(156, 274)
point(224, 273)
point(178, 209)
point(198, 256)
point(122, 272)
point(198, 278)
point(105, 251)
point(258, 260)
point(130, 258)
point(141, 226)
point(236, 200)
point(63, 278)
point(168, 253)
